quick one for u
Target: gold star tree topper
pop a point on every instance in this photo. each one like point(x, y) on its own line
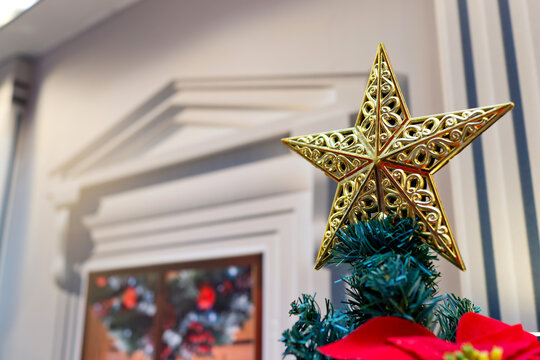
point(385, 163)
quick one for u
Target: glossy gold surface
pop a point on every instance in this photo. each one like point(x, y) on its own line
point(384, 164)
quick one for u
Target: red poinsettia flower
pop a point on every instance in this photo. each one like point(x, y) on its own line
point(395, 338)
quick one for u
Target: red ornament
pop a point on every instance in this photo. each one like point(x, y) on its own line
point(101, 281)
point(394, 338)
point(195, 326)
point(226, 287)
point(165, 353)
point(129, 298)
point(206, 298)
point(198, 339)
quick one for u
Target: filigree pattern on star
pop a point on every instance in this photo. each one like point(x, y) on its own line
point(429, 142)
point(393, 111)
point(421, 194)
point(366, 123)
point(385, 163)
point(339, 153)
point(345, 202)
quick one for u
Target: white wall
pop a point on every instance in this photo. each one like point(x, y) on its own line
point(96, 78)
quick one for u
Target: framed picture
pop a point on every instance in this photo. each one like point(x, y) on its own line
point(188, 311)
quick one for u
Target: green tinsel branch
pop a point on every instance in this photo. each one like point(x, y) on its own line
point(391, 273)
point(312, 329)
point(448, 313)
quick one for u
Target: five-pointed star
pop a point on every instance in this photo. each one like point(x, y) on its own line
point(385, 163)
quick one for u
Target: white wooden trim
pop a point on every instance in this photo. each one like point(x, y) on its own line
point(528, 69)
point(287, 263)
point(466, 226)
point(528, 72)
point(512, 260)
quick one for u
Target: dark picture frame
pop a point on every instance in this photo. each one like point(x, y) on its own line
point(108, 297)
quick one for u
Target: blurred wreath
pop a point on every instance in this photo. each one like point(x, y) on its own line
point(203, 308)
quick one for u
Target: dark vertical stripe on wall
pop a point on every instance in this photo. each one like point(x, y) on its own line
point(520, 135)
point(479, 168)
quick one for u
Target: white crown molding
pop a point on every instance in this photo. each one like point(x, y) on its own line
point(271, 108)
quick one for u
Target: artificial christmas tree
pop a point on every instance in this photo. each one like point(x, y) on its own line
point(391, 273)
point(385, 219)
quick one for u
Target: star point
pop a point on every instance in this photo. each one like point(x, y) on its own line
point(385, 163)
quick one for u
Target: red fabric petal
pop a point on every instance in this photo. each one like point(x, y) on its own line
point(530, 354)
point(396, 338)
point(372, 352)
point(484, 333)
point(369, 341)
point(511, 339)
point(472, 325)
point(425, 348)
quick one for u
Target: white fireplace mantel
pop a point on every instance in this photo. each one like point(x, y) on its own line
point(260, 204)
point(276, 226)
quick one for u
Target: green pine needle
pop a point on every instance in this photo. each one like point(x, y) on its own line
point(448, 313)
point(312, 329)
point(390, 285)
point(391, 273)
point(395, 235)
